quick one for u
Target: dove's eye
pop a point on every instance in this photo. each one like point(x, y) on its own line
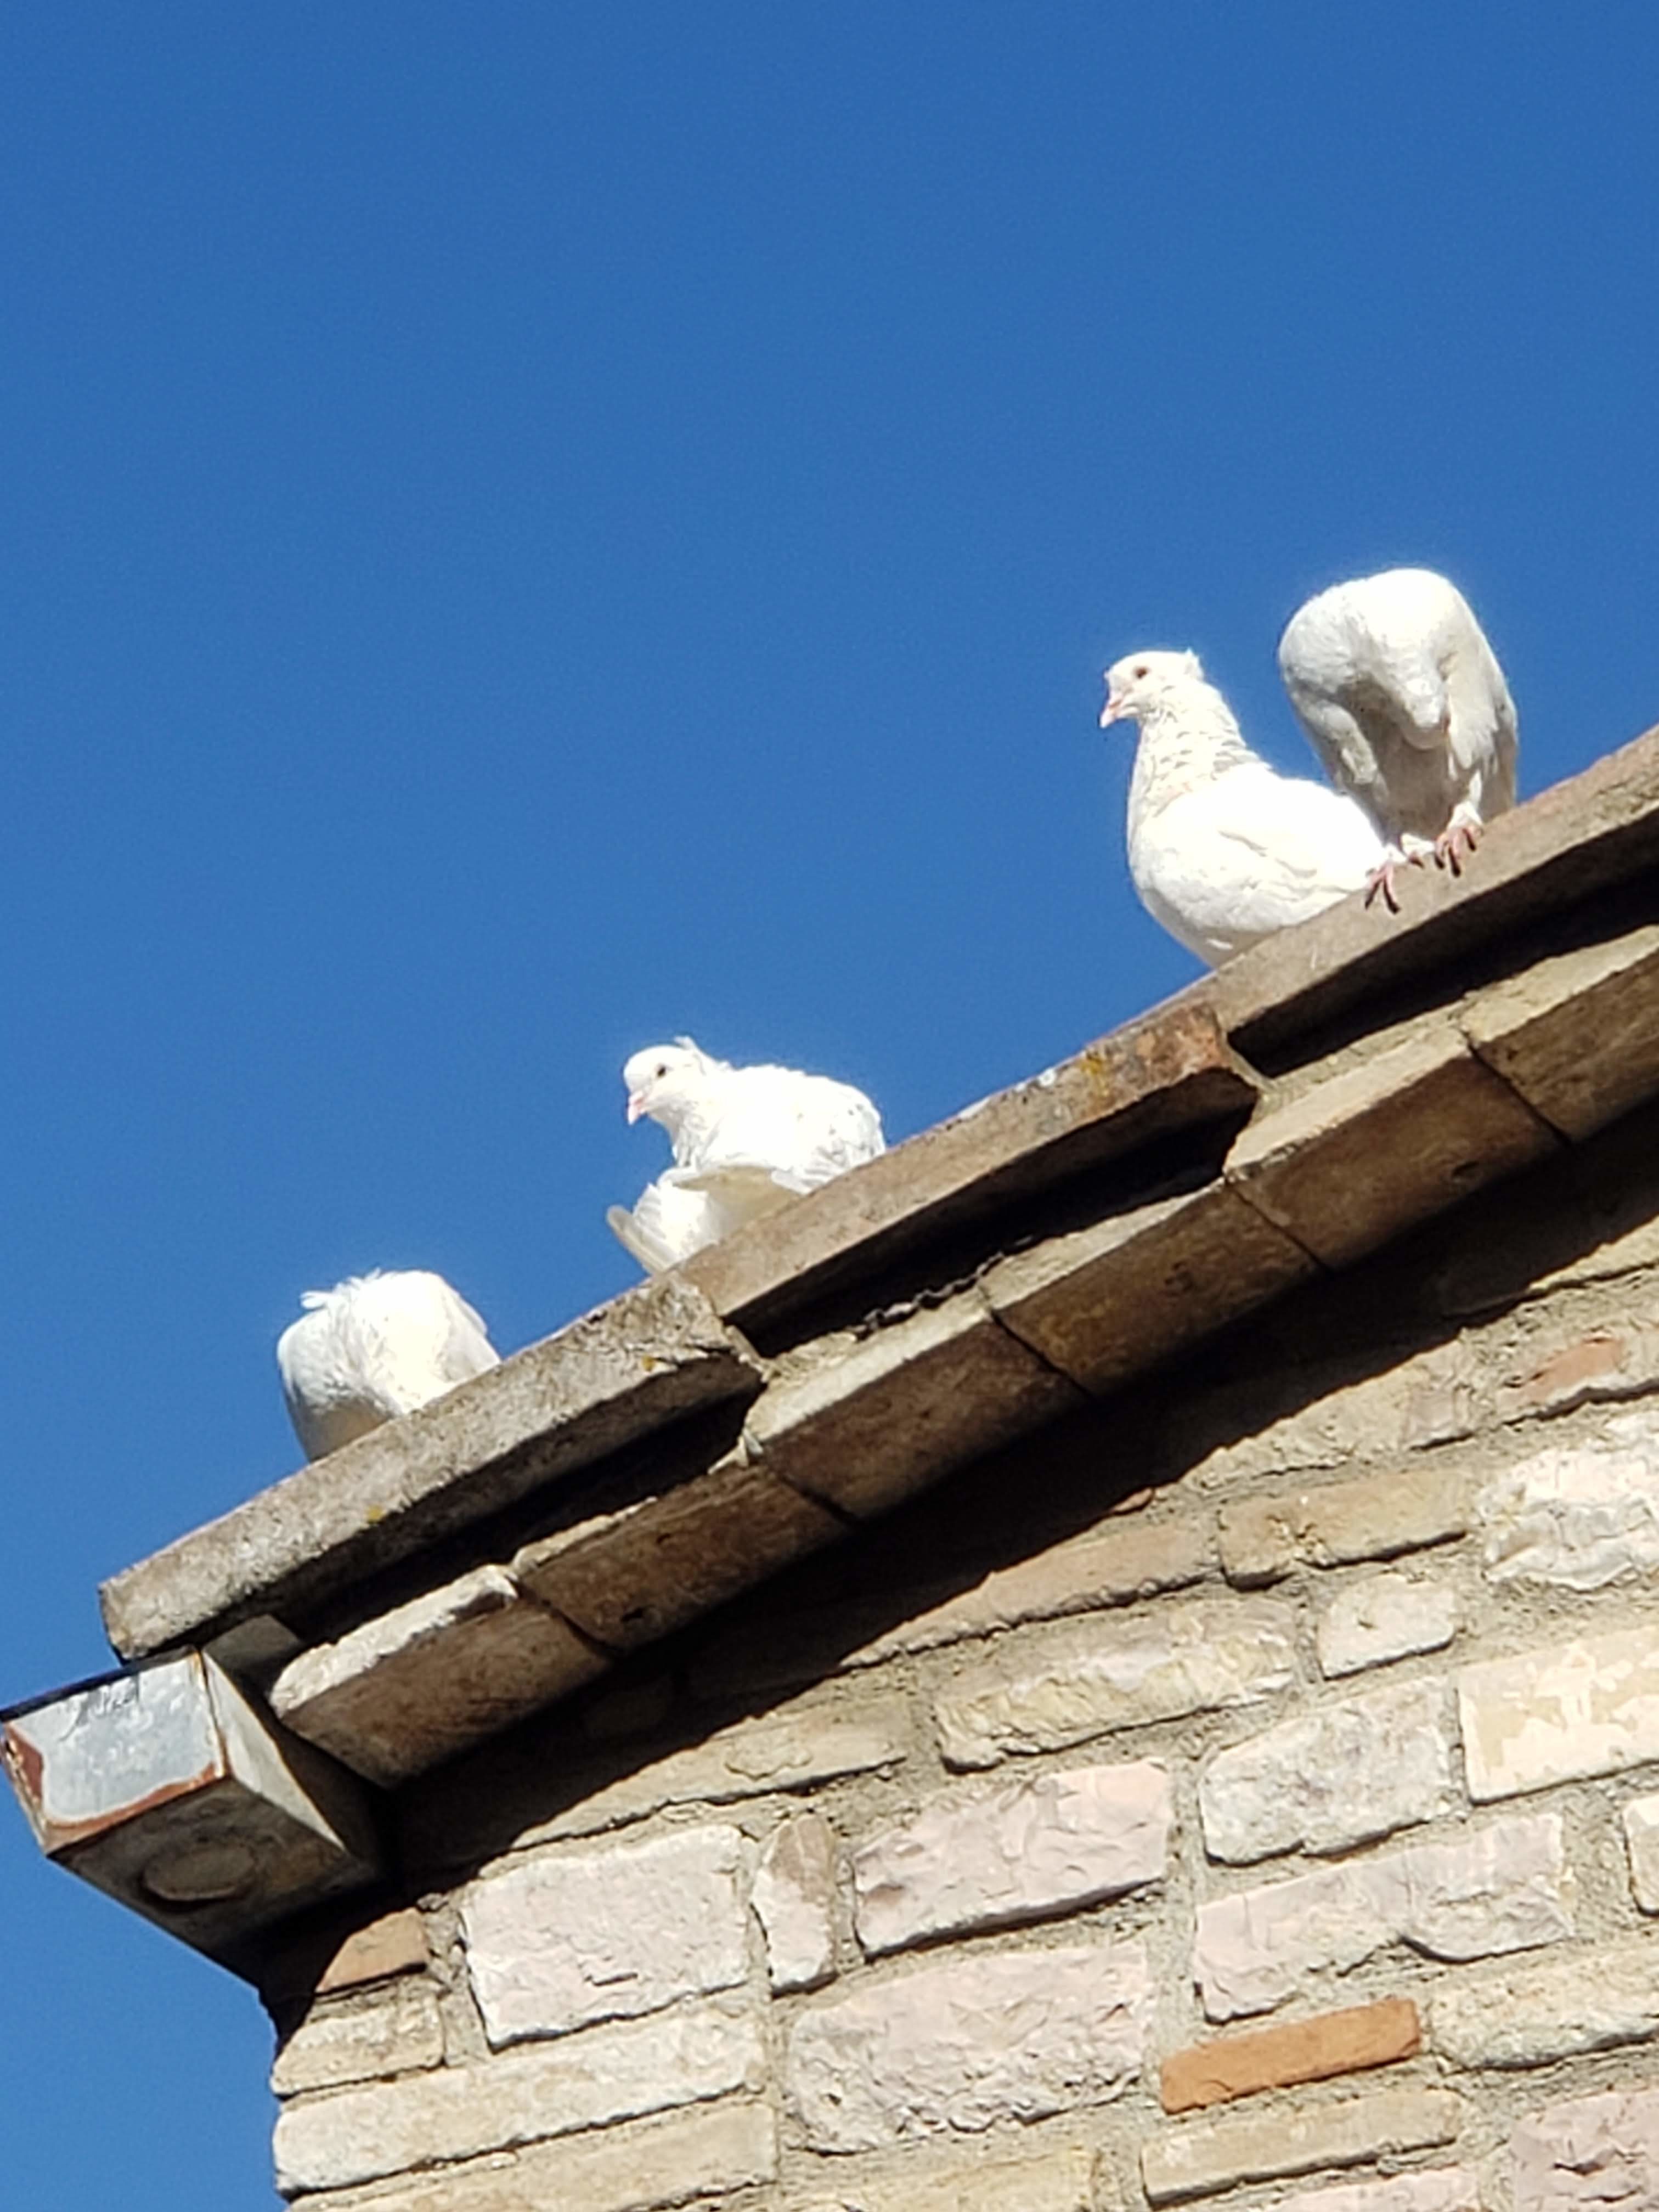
point(1140, 673)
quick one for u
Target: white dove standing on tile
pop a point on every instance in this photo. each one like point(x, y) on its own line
point(1393, 679)
point(373, 1347)
point(1224, 850)
point(745, 1139)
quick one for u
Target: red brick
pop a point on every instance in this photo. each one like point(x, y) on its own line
point(1305, 2050)
point(395, 1945)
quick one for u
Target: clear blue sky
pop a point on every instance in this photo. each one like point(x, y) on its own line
point(524, 529)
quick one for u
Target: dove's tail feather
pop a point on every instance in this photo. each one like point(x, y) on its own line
point(652, 1254)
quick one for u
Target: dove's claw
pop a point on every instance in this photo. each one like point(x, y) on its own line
point(1446, 854)
point(1380, 884)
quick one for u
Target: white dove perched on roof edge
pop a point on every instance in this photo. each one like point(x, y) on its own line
point(373, 1347)
point(1223, 849)
point(745, 1139)
point(1393, 679)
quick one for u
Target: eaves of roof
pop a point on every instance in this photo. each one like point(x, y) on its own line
point(433, 1582)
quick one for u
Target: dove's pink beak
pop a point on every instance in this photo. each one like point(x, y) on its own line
point(635, 1106)
point(1111, 711)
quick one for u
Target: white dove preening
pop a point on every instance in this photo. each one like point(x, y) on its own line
point(745, 1139)
point(373, 1347)
point(1223, 849)
point(1393, 679)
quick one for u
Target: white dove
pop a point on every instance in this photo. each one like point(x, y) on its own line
point(1224, 850)
point(1393, 679)
point(373, 1347)
point(746, 1139)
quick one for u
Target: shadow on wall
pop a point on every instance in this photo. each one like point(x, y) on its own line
point(1307, 1388)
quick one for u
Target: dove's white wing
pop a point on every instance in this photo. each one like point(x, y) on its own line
point(1484, 729)
point(1315, 663)
point(744, 1190)
point(418, 1338)
point(800, 1130)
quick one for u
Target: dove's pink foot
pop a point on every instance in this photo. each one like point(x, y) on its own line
point(1380, 884)
point(1446, 854)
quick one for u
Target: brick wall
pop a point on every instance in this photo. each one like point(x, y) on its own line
point(1249, 1794)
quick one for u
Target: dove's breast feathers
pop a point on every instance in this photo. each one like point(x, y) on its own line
point(1230, 862)
point(800, 1129)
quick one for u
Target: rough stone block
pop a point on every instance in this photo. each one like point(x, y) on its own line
point(1368, 1152)
point(794, 1901)
point(1338, 1524)
point(954, 2047)
point(1317, 2050)
point(1594, 1222)
point(1641, 1817)
point(1109, 1566)
point(1384, 1617)
point(787, 1750)
point(1207, 2155)
point(1589, 1705)
point(1588, 2153)
point(1433, 1396)
point(588, 2081)
point(628, 1577)
point(1107, 1301)
point(394, 1944)
point(456, 1819)
point(433, 1677)
point(1059, 2181)
point(1555, 2007)
point(1578, 1034)
point(1064, 1686)
point(399, 2032)
point(1342, 1774)
point(864, 1428)
point(1505, 1887)
point(1579, 1515)
point(987, 1858)
point(650, 1356)
point(1592, 1368)
point(554, 1943)
point(1432, 2189)
point(688, 2156)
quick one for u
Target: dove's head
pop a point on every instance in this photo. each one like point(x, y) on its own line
point(663, 1079)
point(1141, 683)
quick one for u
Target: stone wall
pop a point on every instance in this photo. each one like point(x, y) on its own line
point(1247, 1794)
